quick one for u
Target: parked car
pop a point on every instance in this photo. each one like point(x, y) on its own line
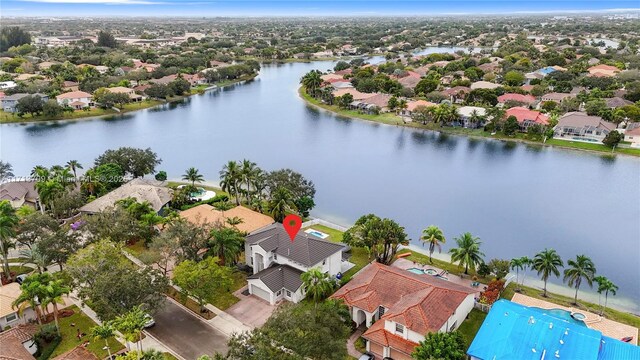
point(20, 278)
point(366, 356)
point(150, 322)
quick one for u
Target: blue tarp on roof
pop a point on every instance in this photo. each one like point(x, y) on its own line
point(514, 331)
point(546, 70)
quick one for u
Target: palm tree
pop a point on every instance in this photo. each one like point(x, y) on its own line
point(580, 268)
point(312, 81)
point(281, 202)
point(517, 264)
point(47, 191)
point(104, 332)
point(546, 263)
point(53, 292)
point(607, 286)
point(74, 165)
point(30, 291)
point(41, 172)
point(526, 263)
point(316, 284)
point(8, 222)
point(226, 244)
point(433, 236)
point(247, 173)
point(193, 175)
point(6, 170)
point(229, 178)
point(130, 325)
point(600, 280)
point(235, 221)
point(468, 252)
point(36, 257)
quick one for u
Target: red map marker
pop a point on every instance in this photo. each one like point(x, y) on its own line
point(292, 224)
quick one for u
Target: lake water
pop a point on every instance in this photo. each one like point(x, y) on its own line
point(517, 198)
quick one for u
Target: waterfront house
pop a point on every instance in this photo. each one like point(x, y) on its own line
point(466, 116)
point(75, 99)
point(19, 193)
point(528, 100)
point(514, 331)
point(399, 308)
point(457, 94)
point(70, 86)
point(131, 93)
point(357, 95)
point(580, 126)
point(527, 118)
point(633, 136)
point(206, 214)
point(10, 316)
point(10, 102)
point(412, 105)
point(143, 190)
point(278, 262)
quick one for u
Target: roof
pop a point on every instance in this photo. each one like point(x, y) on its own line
point(74, 95)
point(377, 334)
point(556, 96)
point(120, 89)
point(524, 114)
point(456, 90)
point(421, 303)
point(77, 353)
point(412, 105)
point(516, 97)
point(305, 249)
point(616, 102)
point(12, 347)
point(327, 77)
point(207, 214)
point(8, 294)
point(633, 132)
point(14, 190)
point(410, 81)
point(379, 100)
point(603, 67)
point(484, 85)
point(467, 111)
point(357, 95)
point(279, 277)
point(140, 189)
point(514, 331)
point(579, 119)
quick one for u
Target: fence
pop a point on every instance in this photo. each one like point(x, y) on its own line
point(324, 223)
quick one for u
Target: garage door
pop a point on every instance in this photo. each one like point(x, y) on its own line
point(255, 290)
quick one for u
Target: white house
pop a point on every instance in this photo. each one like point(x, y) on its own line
point(466, 116)
point(75, 99)
point(278, 262)
point(7, 85)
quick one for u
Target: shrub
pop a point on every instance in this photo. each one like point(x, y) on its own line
point(492, 293)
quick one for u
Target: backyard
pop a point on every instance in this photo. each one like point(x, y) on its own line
point(469, 328)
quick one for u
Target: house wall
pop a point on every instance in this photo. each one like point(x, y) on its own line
point(27, 315)
point(69, 101)
point(376, 349)
point(356, 316)
point(407, 334)
point(397, 355)
point(274, 297)
point(331, 265)
point(460, 314)
point(633, 139)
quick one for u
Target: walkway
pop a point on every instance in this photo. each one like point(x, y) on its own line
point(351, 348)
point(607, 327)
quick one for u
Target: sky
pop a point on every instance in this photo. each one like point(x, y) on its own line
point(213, 8)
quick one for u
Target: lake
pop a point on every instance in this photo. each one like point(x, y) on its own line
point(517, 198)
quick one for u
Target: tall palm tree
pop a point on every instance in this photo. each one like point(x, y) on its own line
point(281, 202)
point(312, 82)
point(247, 173)
point(8, 222)
point(468, 252)
point(41, 172)
point(546, 263)
point(607, 286)
point(518, 264)
point(580, 268)
point(317, 284)
point(74, 165)
point(433, 236)
point(227, 244)
point(6, 170)
point(600, 279)
point(192, 174)
point(53, 292)
point(30, 291)
point(526, 264)
point(36, 257)
point(104, 332)
point(47, 191)
point(229, 179)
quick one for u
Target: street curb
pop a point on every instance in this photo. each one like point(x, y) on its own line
point(170, 350)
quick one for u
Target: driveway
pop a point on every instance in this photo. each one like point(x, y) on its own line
point(250, 310)
point(185, 333)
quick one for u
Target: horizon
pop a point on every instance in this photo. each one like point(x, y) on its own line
point(312, 8)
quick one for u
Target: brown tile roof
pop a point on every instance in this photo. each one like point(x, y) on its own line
point(456, 90)
point(410, 81)
point(412, 105)
point(379, 100)
point(421, 303)
point(12, 348)
point(206, 214)
point(150, 191)
point(74, 95)
point(8, 294)
point(579, 119)
point(376, 333)
point(77, 353)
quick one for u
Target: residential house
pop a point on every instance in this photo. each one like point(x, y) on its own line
point(195, 79)
point(19, 193)
point(514, 331)
point(484, 85)
point(457, 94)
point(331, 76)
point(580, 126)
point(102, 69)
point(127, 91)
point(555, 97)
point(616, 102)
point(218, 64)
point(603, 71)
point(633, 136)
point(206, 214)
point(399, 308)
point(357, 95)
point(410, 80)
point(164, 80)
point(10, 102)
point(152, 191)
point(527, 118)
point(466, 116)
point(528, 100)
point(412, 105)
point(322, 54)
point(75, 99)
point(25, 77)
point(10, 316)
point(380, 101)
point(70, 86)
point(17, 342)
point(79, 352)
point(278, 262)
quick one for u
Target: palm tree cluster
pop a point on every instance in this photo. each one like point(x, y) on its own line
point(38, 291)
point(312, 82)
point(243, 179)
point(53, 182)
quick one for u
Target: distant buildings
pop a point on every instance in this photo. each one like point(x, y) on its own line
point(10, 102)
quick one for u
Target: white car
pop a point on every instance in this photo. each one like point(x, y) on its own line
point(150, 322)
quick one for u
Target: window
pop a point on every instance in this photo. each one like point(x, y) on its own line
point(275, 256)
point(11, 317)
point(399, 328)
point(251, 261)
point(279, 292)
point(381, 311)
point(288, 293)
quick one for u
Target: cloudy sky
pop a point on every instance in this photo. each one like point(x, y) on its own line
point(293, 8)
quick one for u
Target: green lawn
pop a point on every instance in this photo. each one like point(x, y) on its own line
point(567, 301)
point(217, 190)
point(19, 269)
point(470, 326)
point(136, 248)
point(224, 300)
point(84, 324)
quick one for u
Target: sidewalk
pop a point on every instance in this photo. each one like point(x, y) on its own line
point(351, 348)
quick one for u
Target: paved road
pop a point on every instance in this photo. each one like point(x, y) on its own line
point(185, 334)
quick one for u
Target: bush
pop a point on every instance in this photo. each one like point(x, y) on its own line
point(47, 339)
point(492, 293)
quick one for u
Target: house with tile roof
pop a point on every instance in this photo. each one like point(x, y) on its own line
point(76, 99)
point(519, 98)
point(633, 136)
point(17, 343)
point(10, 316)
point(399, 307)
point(527, 118)
point(19, 193)
point(10, 102)
point(580, 126)
point(278, 262)
point(143, 190)
point(603, 70)
point(205, 214)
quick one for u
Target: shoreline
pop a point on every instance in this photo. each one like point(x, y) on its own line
point(218, 86)
point(453, 131)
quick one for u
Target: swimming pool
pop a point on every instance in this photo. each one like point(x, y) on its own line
point(575, 318)
point(427, 272)
point(416, 271)
point(317, 233)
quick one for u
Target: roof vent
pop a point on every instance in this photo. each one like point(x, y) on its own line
point(550, 325)
point(557, 354)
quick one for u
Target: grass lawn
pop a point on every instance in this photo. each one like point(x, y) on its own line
point(19, 269)
point(169, 356)
point(567, 301)
point(444, 265)
point(136, 248)
point(471, 325)
point(188, 303)
point(84, 324)
point(224, 300)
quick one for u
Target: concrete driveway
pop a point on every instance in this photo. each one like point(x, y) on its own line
point(250, 310)
point(187, 335)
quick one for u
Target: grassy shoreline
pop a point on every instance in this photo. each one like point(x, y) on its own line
point(391, 119)
point(9, 118)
